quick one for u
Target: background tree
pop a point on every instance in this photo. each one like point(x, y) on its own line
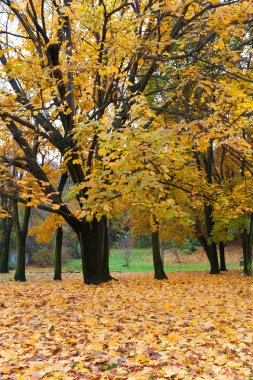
point(7, 222)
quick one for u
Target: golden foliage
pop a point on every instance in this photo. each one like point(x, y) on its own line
point(45, 231)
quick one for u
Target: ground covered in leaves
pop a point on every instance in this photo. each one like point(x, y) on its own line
point(193, 326)
point(233, 252)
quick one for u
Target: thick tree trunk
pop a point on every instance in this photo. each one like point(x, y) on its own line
point(94, 244)
point(211, 252)
point(157, 259)
point(20, 267)
point(106, 256)
point(222, 257)
point(203, 242)
point(247, 253)
point(21, 234)
point(5, 245)
point(213, 259)
point(207, 243)
point(57, 254)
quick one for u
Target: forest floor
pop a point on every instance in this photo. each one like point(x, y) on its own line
point(233, 256)
point(191, 326)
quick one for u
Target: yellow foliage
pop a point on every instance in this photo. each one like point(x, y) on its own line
point(45, 230)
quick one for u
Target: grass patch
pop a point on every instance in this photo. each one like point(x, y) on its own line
point(141, 261)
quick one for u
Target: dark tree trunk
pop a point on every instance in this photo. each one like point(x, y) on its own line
point(20, 267)
point(211, 252)
point(213, 259)
point(6, 205)
point(21, 234)
point(247, 253)
point(203, 242)
point(222, 257)
point(57, 254)
point(5, 245)
point(106, 269)
point(157, 259)
point(211, 246)
point(206, 238)
point(247, 235)
point(94, 244)
point(156, 251)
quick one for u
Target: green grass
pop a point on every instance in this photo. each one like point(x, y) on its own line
point(140, 261)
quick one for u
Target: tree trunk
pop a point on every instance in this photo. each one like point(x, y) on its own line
point(211, 252)
point(21, 234)
point(247, 253)
point(94, 244)
point(213, 259)
point(222, 257)
point(20, 267)
point(106, 269)
point(211, 246)
point(57, 254)
point(203, 242)
point(5, 245)
point(207, 243)
point(157, 259)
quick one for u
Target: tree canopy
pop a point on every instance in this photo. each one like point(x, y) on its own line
point(108, 104)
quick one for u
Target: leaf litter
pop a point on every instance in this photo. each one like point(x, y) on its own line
point(193, 326)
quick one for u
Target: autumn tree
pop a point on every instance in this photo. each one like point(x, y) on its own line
point(190, 125)
point(73, 73)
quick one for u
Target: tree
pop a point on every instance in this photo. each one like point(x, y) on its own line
point(192, 121)
point(7, 221)
point(156, 250)
point(21, 235)
point(72, 72)
point(58, 252)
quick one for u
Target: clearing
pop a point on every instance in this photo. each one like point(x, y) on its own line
point(141, 260)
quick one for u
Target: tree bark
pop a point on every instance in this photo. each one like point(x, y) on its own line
point(21, 234)
point(247, 253)
point(213, 259)
point(5, 245)
point(207, 243)
point(20, 267)
point(211, 252)
point(94, 244)
point(203, 242)
point(222, 257)
point(157, 259)
point(211, 247)
point(57, 254)
point(7, 223)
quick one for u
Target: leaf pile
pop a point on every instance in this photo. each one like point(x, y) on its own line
point(193, 326)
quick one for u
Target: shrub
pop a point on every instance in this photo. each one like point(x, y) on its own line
point(43, 258)
point(190, 246)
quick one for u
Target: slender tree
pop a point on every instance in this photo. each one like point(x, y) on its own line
point(157, 259)
point(21, 227)
point(6, 236)
point(247, 244)
point(58, 253)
